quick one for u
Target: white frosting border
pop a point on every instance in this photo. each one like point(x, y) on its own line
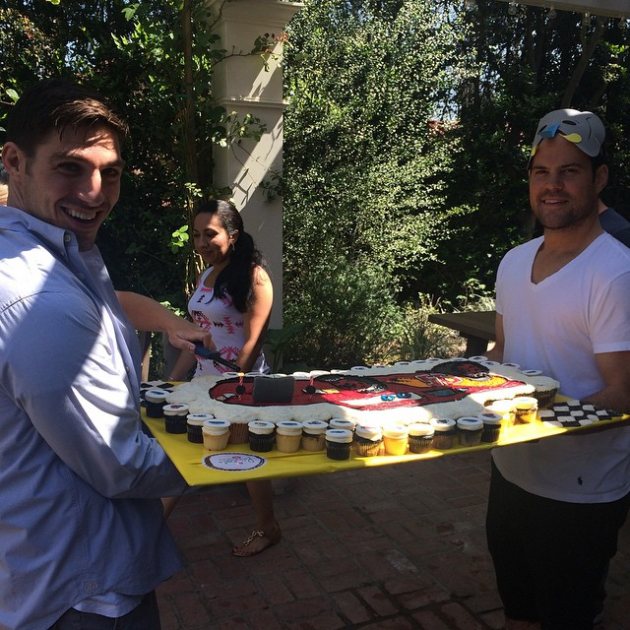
point(195, 395)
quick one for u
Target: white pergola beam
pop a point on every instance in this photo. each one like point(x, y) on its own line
point(610, 8)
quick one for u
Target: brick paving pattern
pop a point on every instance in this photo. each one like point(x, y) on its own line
point(390, 548)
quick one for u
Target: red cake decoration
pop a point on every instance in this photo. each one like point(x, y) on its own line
point(446, 382)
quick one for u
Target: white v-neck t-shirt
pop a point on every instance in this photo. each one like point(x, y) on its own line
point(557, 326)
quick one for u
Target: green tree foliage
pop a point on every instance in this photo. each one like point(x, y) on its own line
point(364, 168)
point(516, 64)
point(134, 54)
point(406, 148)
point(26, 51)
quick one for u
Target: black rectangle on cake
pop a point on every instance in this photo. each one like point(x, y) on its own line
point(271, 389)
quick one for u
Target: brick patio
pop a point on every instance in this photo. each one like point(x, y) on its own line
point(392, 547)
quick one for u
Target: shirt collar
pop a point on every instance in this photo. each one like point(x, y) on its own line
point(55, 237)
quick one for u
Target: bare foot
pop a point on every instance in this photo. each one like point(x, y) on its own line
point(258, 541)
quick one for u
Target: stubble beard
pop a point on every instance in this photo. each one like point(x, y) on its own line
point(570, 218)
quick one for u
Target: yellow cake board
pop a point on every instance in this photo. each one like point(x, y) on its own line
point(188, 457)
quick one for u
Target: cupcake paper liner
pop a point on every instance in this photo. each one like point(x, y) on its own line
point(368, 450)
point(239, 433)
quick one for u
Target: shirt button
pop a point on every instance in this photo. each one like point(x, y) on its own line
point(67, 238)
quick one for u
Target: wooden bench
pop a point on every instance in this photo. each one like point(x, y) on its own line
point(477, 327)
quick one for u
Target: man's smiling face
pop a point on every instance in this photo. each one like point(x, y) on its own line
point(72, 181)
point(563, 189)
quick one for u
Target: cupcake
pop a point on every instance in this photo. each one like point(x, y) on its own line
point(313, 438)
point(395, 439)
point(194, 424)
point(532, 372)
point(491, 426)
point(216, 434)
point(239, 432)
point(155, 400)
point(469, 430)
point(504, 408)
point(546, 389)
point(338, 442)
point(420, 437)
point(176, 418)
point(261, 436)
point(525, 409)
point(341, 423)
point(368, 440)
point(445, 435)
point(288, 436)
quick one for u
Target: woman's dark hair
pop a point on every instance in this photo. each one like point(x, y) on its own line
point(236, 278)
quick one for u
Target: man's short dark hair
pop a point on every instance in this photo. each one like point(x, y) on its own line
point(54, 105)
point(598, 160)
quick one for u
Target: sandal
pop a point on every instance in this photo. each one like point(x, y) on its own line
point(257, 541)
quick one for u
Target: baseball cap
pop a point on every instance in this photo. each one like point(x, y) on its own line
point(584, 129)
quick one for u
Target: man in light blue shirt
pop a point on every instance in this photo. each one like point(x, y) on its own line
point(82, 537)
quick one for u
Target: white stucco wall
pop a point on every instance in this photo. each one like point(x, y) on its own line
point(243, 85)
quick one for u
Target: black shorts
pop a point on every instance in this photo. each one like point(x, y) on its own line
point(551, 557)
point(145, 616)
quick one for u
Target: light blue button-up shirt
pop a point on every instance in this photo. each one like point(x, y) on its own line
point(80, 515)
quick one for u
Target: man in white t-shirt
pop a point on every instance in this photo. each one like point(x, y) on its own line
point(563, 307)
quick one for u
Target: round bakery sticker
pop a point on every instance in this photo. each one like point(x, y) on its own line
point(233, 462)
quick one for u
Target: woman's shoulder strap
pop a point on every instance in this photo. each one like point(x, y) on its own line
point(201, 278)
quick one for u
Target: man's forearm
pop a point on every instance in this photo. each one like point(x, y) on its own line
point(148, 315)
point(145, 313)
